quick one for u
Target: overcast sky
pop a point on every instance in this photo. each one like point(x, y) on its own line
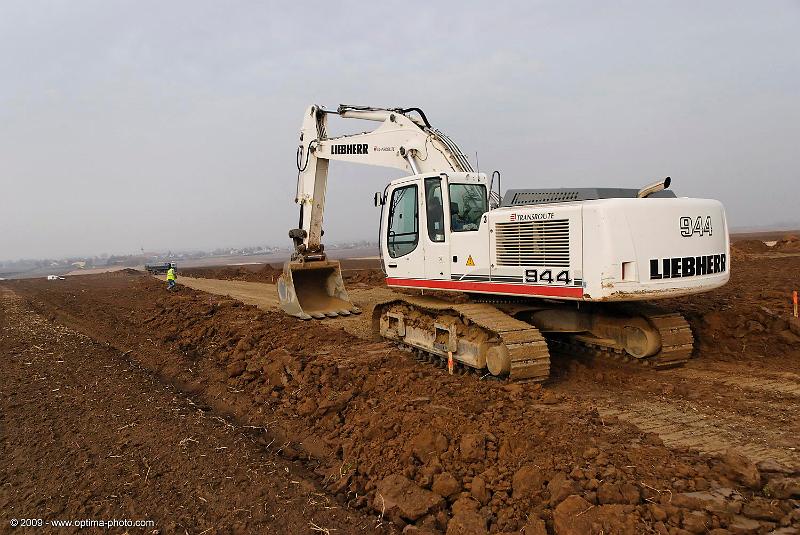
point(173, 125)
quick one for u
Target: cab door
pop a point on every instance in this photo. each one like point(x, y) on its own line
point(435, 235)
point(401, 244)
point(469, 229)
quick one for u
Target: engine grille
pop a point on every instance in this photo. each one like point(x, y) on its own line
point(533, 243)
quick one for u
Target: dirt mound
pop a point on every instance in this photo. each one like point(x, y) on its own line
point(251, 273)
point(790, 244)
point(269, 273)
point(369, 277)
point(750, 246)
point(412, 443)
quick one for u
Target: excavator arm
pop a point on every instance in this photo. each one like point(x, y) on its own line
point(311, 285)
point(401, 141)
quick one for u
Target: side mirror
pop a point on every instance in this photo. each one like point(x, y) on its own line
point(379, 199)
point(495, 197)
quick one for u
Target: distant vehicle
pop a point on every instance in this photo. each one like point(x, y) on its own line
point(55, 278)
point(158, 269)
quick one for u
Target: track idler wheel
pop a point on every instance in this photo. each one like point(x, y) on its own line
point(498, 360)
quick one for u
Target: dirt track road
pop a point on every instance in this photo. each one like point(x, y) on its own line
point(261, 294)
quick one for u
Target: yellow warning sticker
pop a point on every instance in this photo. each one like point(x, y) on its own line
point(470, 261)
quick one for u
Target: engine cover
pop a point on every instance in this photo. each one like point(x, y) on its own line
point(618, 249)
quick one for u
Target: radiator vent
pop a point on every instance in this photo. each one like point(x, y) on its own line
point(533, 243)
point(522, 197)
point(544, 196)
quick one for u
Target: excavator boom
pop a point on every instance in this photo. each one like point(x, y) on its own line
point(401, 141)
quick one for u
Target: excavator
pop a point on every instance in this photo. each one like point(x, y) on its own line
point(567, 269)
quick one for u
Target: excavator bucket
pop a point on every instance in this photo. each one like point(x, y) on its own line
point(314, 290)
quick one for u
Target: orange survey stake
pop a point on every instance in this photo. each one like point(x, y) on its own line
point(794, 301)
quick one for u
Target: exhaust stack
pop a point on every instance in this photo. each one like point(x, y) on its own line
point(654, 187)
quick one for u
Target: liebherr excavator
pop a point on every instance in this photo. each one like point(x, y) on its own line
point(560, 266)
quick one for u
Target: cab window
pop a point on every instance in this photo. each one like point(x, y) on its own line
point(434, 209)
point(403, 231)
point(467, 204)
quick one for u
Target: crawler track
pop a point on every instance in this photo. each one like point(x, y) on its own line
point(677, 342)
point(530, 356)
point(528, 348)
point(676, 335)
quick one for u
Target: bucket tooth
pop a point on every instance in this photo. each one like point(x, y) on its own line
point(314, 289)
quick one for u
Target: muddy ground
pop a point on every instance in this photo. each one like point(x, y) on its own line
point(321, 427)
point(88, 433)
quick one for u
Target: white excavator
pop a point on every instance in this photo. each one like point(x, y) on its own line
point(565, 269)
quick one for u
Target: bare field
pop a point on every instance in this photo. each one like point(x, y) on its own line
point(208, 410)
point(764, 235)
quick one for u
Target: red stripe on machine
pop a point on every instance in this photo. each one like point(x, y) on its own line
point(487, 287)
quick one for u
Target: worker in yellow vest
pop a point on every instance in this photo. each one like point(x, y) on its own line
point(171, 278)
